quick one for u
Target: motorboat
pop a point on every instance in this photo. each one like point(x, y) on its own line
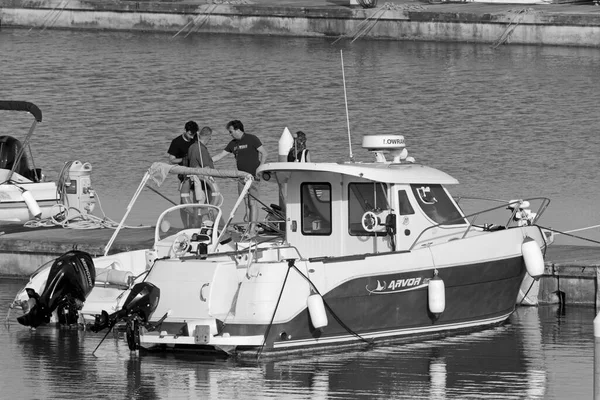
point(25, 193)
point(355, 254)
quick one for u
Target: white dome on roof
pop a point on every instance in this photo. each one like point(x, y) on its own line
point(383, 142)
point(393, 145)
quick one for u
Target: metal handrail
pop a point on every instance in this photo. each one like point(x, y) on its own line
point(540, 211)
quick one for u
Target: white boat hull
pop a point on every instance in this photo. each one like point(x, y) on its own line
point(14, 209)
point(226, 306)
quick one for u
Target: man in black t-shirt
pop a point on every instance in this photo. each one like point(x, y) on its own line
point(249, 155)
point(177, 152)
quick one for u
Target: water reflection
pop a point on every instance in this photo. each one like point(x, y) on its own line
point(539, 354)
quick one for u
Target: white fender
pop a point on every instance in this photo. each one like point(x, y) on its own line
point(436, 295)
point(316, 310)
point(534, 259)
point(32, 205)
point(110, 276)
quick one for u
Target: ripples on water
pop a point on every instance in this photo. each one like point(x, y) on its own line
point(542, 353)
point(510, 122)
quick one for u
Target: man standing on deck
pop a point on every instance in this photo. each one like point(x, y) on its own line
point(177, 152)
point(199, 157)
point(249, 155)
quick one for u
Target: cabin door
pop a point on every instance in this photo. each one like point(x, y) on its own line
point(409, 224)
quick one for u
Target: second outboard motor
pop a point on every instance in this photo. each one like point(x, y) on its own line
point(70, 280)
point(141, 302)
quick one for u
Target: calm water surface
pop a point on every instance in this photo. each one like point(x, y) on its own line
point(508, 123)
point(542, 353)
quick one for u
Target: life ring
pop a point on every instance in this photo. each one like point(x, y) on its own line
point(205, 188)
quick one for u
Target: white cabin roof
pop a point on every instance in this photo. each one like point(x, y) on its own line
point(380, 172)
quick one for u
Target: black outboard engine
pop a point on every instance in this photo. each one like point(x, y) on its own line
point(70, 280)
point(137, 309)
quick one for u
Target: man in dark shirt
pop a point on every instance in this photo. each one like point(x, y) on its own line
point(249, 155)
point(177, 152)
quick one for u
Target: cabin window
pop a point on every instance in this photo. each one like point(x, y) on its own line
point(363, 197)
point(316, 208)
point(404, 206)
point(436, 203)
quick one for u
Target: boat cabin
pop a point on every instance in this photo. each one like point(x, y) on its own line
point(352, 208)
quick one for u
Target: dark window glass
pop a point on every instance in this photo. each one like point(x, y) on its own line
point(434, 201)
point(363, 197)
point(315, 201)
point(404, 203)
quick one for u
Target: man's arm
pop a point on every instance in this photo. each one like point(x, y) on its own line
point(262, 154)
point(220, 155)
point(174, 160)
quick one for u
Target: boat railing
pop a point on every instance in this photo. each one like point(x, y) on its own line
point(513, 205)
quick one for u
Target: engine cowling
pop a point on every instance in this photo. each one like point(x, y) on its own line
point(70, 280)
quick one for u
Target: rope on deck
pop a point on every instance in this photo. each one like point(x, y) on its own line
point(73, 218)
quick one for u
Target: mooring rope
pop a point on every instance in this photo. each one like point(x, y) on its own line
point(570, 235)
point(333, 314)
point(196, 27)
point(520, 14)
point(194, 21)
point(287, 273)
point(372, 19)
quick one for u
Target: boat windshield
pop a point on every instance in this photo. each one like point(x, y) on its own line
point(9, 148)
point(200, 217)
point(438, 206)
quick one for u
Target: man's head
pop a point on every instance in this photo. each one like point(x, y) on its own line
point(191, 129)
point(300, 137)
point(205, 134)
point(235, 129)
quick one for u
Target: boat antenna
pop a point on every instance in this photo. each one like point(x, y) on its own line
point(346, 103)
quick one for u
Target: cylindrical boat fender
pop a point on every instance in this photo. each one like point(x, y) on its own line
point(534, 259)
point(32, 205)
point(436, 292)
point(110, 276)
point(316, 309)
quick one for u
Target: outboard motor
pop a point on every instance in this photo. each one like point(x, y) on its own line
point(137, 309)
point(70, 280)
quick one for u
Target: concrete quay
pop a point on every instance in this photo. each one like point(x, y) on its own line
point(571, 276)
point(575, 24)
point(23, 250)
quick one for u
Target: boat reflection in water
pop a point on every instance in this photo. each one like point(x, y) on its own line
point(538, 354)
point(498, 363)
